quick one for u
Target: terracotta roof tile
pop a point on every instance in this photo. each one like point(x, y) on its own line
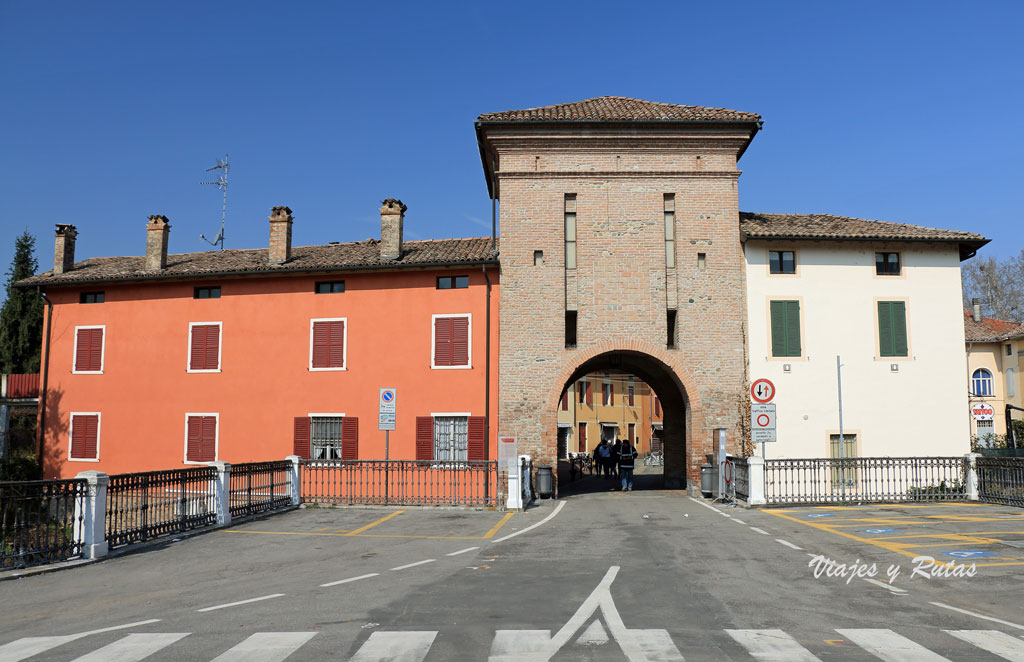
point(827, 226)
point(990, 329)
point(611, 109)
point(333, 257)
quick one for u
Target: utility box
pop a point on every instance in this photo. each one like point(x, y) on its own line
point(708, 478)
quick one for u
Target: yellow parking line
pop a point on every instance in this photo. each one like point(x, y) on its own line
point(496, 527)
point(374, 524)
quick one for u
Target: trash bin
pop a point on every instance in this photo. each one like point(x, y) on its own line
point(707, 479)
point(545, 482)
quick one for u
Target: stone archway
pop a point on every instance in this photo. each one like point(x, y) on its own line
point(683, 414)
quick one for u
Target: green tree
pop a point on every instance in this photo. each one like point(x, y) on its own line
point(21, 318)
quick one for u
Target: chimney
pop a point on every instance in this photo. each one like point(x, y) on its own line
point(280, 235)
point(64, 249)
point(392, 215)
point(976, 303)
point(156, 243)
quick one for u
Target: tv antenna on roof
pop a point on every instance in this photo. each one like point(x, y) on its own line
point(222, 184)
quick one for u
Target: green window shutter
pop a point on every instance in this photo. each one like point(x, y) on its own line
point(785, 325)
point(892, 328)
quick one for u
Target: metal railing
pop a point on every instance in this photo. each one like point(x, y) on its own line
point(400, 482)
point(741, 477)
point(257, 487)
point(146, 505)
point(1001, 480)
point(39, 520)
point(865, 479)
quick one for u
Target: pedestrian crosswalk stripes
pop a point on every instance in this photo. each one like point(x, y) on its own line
point(764, 645)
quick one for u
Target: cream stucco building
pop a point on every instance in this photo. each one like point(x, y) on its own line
point(995, 366)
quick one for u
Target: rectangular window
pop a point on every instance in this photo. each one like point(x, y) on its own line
point(631, 427)
point(88, 350)
point(329, 287)
point(206, 292)
point(782, 262)
point(1011, 382)
point(204, 346)
point(451, 344)
point(582, 447)
point(90, 297)
point(887, 264)
point(565, 400)
point(892, 328)
point(450, 438)
point(325, 437)
point(702, 261)
point(670, 326)
point(581, 391)
point(84, 436)
point(1009, 349)
point(841, 473)
point(607, 395)
point(327, 344)
point(538, 258)
point(785, 325)
point(986, 432)
point(201, 437)
point(631, 393)
point(570, 230)
point(452, 282)
point(670, 230)
point(657, 406)
point(570, 329)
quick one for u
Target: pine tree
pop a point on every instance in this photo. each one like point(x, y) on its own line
point(21, 319)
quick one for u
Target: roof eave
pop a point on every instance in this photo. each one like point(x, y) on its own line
point(968, 247)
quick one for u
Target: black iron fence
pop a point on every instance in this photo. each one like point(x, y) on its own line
point(257, 487)
point(155, 503)
point(40, 520)
point(741, 477)
point(400, 482)
point(865, 479)
point(1001, 480)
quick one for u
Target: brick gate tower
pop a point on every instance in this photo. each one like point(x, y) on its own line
point(620, 249)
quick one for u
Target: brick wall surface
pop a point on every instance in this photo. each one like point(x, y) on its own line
point(619, 287)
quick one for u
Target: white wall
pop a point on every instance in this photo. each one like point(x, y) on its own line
point(919, 410)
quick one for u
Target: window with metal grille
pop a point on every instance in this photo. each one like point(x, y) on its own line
point(887, 264)
point(206, 292)
point(329, 287)
point(981, 383)
point(845, 474)
point(451, 438)
point(325, 437)
point(90, 297)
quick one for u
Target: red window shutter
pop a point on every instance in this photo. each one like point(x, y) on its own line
point(84, 429)
point(212, 351)
point(442, 341)
point(460, 341)
point(590, 396)
point(91, 433)
point(631, 398)
point(583, 438)
point(424, 438)
point(96, 350)
point(194, 441)
point(657, 406)
point(89, 350)
point(301, 438)
point(350, 438)
point(565, 401)
point(477, 438)
point(321, 344)
point(336, 353)
point(208, 451)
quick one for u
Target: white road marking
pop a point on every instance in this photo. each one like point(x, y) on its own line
point(890, 587)
point(351, 579)
point(889, 646)
point(242, 602)
point(462, 551)
point(977, 615)
point(132, 648)
point(740, 522)
point(772, 646)
point(540, 645)
point(788, 544)
point(700, 502)
point(413, 565)
point(266, 647)
point(532, 526)
point(29, 646)
point(993, 641)
point(761, 531)
point(395, 647)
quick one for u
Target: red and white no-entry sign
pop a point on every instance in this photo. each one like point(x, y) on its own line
point(762, 391)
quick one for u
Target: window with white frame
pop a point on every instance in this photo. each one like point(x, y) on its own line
point(981, 383)
point(452, 341)
point(204, 343)
point(325, 437)
point(451, 438)
point(84, 442)
point(88, 356)
point(327, 346)
point(986, 433)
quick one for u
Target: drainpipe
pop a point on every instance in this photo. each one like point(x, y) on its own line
point(41, 421)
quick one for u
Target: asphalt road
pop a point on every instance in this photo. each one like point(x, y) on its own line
point(596, 575)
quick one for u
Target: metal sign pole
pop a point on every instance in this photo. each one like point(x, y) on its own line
point(387, 450)
point(842, 441)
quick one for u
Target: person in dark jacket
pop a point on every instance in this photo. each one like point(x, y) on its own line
point(615, 457)
point(604, 456)
point(626, 457)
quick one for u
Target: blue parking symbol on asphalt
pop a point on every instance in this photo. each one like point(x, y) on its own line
point(820, 515)
point(968, 554)
point(878, 531)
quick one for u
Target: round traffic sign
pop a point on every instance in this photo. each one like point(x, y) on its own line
point(762, 391)
point(387, 396)
point(763, 420)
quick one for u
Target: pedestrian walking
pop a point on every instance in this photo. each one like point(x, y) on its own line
point(604, 456)
point(615, 457)
point(626, 457)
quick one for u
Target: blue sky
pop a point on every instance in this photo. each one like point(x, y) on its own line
point(899, 111)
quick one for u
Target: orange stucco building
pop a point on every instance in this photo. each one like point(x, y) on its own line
point(158, 361)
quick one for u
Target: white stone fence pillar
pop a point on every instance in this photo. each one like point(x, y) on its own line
point(91, 515)
point(515, 491)
point(755, 481)
point(294, 478)
point(972, 476)
point(221, 497)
